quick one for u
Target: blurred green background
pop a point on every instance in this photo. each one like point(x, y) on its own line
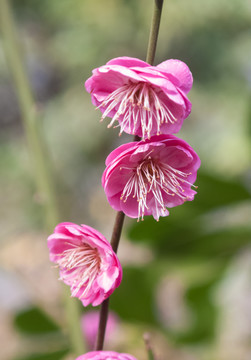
point(187, 279)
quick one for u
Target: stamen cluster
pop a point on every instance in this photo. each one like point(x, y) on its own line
point(146, 177)
point(145, 100)
point(86, 262)
point(139, 108)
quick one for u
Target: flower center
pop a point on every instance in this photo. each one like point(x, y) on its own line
point(137, 104)
point(157, 179)
point(80, 265)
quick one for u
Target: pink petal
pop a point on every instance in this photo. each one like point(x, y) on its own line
point(127, 62)
point(106, 280)
point(105, 355)
point(180, 71)
point(120, 151)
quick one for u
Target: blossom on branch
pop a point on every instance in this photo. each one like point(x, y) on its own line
point(86, 260)
point(105, 355)
point(145, 100)
point(146, 177)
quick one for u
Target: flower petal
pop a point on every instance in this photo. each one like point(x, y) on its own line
point(180, 71)
point(127, 62)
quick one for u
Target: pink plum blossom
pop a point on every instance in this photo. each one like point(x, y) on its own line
point(145, 100)
point(86, 262)
point(105, 355)
point(89, 325)
point(146, 177)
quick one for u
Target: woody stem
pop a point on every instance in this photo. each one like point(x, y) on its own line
point(118, 224)
point(119, 220)
point(153, 37)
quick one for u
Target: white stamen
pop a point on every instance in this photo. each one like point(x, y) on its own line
point(155, 178)
point(134, 103)
point(80, 264)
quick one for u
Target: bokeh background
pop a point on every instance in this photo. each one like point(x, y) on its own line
point(187, 279)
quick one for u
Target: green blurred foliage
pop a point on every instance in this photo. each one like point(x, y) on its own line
point(183, 233)
point(183, 237)
point(35, 322)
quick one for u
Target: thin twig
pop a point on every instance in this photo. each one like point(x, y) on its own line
point(118, 224)
point(119, 220)
point(154, 32)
